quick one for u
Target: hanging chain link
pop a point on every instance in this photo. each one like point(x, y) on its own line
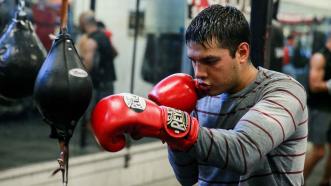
point(21, 5)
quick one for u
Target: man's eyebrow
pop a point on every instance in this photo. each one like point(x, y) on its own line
point(210, 57)
point(206, 58)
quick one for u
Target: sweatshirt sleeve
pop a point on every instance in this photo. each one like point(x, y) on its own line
point(185, 167)
point(272, 120)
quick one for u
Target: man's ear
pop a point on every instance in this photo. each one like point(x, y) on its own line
point(243, 52)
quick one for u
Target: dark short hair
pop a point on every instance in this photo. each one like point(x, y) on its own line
point(226, 24)
point(101, 25)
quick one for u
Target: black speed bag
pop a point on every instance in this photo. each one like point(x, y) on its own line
point(21, 56)
point(63, 88)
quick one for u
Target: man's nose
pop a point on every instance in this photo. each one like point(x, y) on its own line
point(199, 70)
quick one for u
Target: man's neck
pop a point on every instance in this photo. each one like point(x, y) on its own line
point(248, 76)
point(251, 74)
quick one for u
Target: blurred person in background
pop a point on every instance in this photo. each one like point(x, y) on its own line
point(109, 34)
point(98, 56)
point(277, 47)
point(319, 100)
point(289, 48)
point(296, 58)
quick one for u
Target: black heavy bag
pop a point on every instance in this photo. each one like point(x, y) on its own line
point(63, 88)
point(21, 56)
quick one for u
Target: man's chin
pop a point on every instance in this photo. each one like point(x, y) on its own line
point(210, 93)
point(214, 92)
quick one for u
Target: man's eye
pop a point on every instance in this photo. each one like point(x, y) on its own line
point(211, 61)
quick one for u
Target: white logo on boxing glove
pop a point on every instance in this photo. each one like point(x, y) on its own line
point(136, 103)
point(177, 120)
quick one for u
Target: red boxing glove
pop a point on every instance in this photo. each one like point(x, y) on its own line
point(178, 91)
point(126, 113)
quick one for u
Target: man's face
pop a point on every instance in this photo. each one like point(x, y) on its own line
point(82, 25)
point(215, 69)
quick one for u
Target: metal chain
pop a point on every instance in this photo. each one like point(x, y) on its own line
point(21, 5)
